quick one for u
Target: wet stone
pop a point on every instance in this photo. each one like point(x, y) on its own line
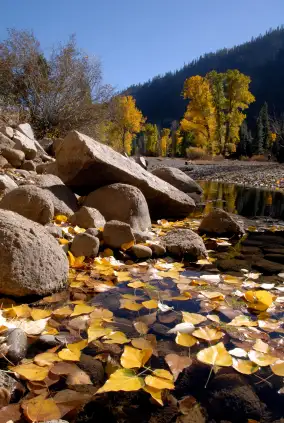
point(17, 342)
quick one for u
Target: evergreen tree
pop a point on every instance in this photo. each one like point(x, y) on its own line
point(244, 148)
point(265, 125)
point(258, 141)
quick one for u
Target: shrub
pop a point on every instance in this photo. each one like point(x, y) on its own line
point(197, 153)
point(244, 158)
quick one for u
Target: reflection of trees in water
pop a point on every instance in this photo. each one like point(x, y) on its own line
point(242, 200)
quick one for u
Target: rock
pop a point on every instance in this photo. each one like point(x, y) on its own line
point(93, 368)
point(141, 161)
point(29, 165)
point(219, 222)
point(14, 157)
point(117, 233)
point(8, 386)
point(31, 261)
point(157, 249)
point(142, 236)
point(141, 251)
point(230, 395)
point(54, 230)
point(48, 341)
point(25, 144)
point(85, 165)
point(121, 202)
point(17, 342)
point(63, 199)
point(184, 242)
point(46, 144)
point(267, 267)
point(95, 232)
point(5, 142)
point(56, 145)
point(31, 202)
point(47, 168)
point(234, 265)
point(3, 163)
point(85, 245)
point(7, 131)
point(87, 217)
point(6, 184)
point(26, 129)
point(178, 179)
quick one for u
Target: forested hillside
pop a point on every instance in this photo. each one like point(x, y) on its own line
point(262, 59)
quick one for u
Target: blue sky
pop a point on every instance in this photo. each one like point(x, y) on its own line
point(138, 39)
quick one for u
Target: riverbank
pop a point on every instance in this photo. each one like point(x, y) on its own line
point(249, 173)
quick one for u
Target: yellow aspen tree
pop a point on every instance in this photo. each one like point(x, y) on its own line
point(200, 115)
point(165, 141)
point(126, 120)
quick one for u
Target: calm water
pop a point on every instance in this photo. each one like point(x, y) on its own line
point(249, 202)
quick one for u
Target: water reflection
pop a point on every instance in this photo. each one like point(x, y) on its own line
point(249, 202)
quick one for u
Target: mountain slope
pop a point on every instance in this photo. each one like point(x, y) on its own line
point(262, 59)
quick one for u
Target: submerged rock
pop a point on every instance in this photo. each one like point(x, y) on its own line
point(85, 165)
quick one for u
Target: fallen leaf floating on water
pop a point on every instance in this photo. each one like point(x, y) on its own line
point(68, 355)
point(141, 327)
point(122, 380)
point(185, 339)
point(155, 393)
point(150, 304)
point(161, 379)
point(238, 352)
point(193, 318)
point(242, 320)
point(82, 309)
point(46, 359)
point(164, 307)
point(261, 346)
point(261, 359)
point(38, 314)
point(245, 367)
point(22, 311)
point(208, 334)
point(136, 284)
point(259, 300)
point(96, 331)
point(278, 368)
point(116, 337)
point(41, 409)
point(131, 357)
point(130, 305)
point(215, 355)
point(31, 371)
point(183, 328)
point(177, 363)
point(212, 295)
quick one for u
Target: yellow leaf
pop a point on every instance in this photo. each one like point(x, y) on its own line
point(259, 300)
point(96, 332)
point(212, 295)
point(156, 394)
point(62, 312)
point(60, 218)
point(82, 309)
point(158, 382)
point(141, 328)
point(209, 334)
point(77, 346)
point(132, 357)
point(173, 274)
point(203, 261)
point(261, 359)
point(141, 343)
point(130, 305)
point(246, 367)
point(242, 320)
point(182, 297)
point(136, 284)
point(122, 380)
point(63, 241)
point(46, 359)
point(103, 314)
point(68, 355)
point(215, 355)
point(234, 280)
point(21, 311)
point(71, 259)
point(40, 409)
point(123, 276)
point(185, 339)
point(261, 346)
point(78, 230)
point(150, 304)
point(278, 368)
point(31, 371)
point(127, 245)
point(165, 374)
point(213, 318)
point(38, 314)
point(192, 318)
point(50, 331)
point(116, 338)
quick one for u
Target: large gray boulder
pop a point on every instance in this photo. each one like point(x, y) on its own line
point(219, 222)
point(26, 129)
point(6, 184)
point(87, 217)
point(85, 165)
point(24, 143)
point(31, 260)
point(6, 142)
point(63, 199)
point(121, 202)
point(31, 202)
point(14, 157)
point(185, 242)
point(178, 179)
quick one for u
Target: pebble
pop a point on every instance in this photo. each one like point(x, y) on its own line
point(17, 342)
